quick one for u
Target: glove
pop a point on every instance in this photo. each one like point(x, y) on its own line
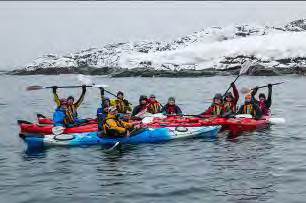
point(126, 102)
point(101, 90)
point(232, 84)
point(84, 87)
point(54, 88)
point(256, 88)
point(269, 86)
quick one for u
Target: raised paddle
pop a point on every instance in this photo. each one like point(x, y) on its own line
point(244, 69)
point(245, 90)
point(38, 87)
point(87, 80)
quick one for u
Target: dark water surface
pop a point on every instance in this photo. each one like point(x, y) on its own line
point(267, 166)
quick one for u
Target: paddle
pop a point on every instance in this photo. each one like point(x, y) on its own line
point(86, 80)
point(244, 69)
point(38, 87)
point(245, 90)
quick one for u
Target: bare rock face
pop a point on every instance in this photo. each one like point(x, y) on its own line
point(112, 59)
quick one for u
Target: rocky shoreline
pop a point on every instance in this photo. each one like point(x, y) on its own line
point(148, 72)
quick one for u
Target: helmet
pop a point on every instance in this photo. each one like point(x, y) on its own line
point(228, 94)
point(248, 96)
point(262, 95)
point(119, 92)
point(70, 97)
point(171, 99)
point(218, 96)
point(142, 97)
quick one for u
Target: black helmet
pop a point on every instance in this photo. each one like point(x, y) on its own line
point(119, 92)
point(70, 97)
point(228, 94)
point(171, 99)
point(262, 95)
point(218, 96)
point(142, 97)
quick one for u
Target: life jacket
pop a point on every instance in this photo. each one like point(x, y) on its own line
point(171, 109)
point(120, 105)
point(265, 110)
point(154, 107)
point(71, 114)
point(218, 110)
point(248, 109)
point(230, 106)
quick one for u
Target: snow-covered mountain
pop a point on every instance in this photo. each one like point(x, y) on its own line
point(213, 50)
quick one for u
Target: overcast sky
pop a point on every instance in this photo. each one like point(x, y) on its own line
point(31, 29)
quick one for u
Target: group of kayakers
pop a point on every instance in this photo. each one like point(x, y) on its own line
point(115, 115)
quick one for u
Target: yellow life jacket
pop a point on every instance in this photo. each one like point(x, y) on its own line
point(248, 109)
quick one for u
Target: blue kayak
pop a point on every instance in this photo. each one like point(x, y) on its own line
point(146, 135)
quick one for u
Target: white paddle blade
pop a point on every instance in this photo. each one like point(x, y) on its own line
point(277, 120)
point(85, 79)
point(245, 67)
point(245, 90)
point(104, 86)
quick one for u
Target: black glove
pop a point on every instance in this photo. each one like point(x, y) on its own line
point(232, 84)
point(269, 86)
point(101, 90)
point(84, 87)
point(126, 102)
point(54, 88)
point(256, 88)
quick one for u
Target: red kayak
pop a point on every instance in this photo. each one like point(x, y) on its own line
point(49, 121)
point(235, 125)
point(31, 128)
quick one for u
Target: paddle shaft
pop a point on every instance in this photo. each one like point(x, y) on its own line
point(230, 85)
point(278, 83)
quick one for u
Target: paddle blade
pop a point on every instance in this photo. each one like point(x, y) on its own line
point(277, 120)
point(245, 90)
point(85, 79)
point(104, 86)
point(34, 87)
point(245, 67)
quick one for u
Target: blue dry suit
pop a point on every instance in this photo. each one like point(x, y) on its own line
point(59, 119)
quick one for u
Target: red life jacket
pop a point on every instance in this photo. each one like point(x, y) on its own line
point(265, 110)
point(154, 107)
point(171, 109)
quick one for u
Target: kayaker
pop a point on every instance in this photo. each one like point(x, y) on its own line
point(114, 127)
point(250, 107)
point(71, 105)
point(230, 101)
point(153, 105)
point(216, 109)
point(103, 111)
point(263, 103)
point(59, 116)
point(121, 104)
point(142, 107)
point(171, 108)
